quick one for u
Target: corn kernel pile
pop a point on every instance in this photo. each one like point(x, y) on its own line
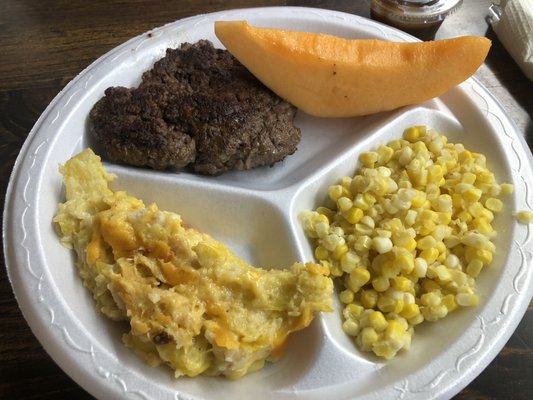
point(407, 236)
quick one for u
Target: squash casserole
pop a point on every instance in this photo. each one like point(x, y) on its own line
point(190, 302)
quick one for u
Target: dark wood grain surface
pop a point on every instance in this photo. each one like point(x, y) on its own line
point(44, 44)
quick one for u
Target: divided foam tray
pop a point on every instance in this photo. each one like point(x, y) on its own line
point(255, 213)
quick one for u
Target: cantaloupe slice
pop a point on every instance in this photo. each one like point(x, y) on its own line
point(329, 76)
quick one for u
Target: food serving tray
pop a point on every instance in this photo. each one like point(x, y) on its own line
point(255, 213)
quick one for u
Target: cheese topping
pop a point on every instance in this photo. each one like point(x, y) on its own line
point(190, 302)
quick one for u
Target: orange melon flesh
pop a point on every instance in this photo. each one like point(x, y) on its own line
point(328, 76)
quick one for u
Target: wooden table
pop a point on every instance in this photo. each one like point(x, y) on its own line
point(43, 45)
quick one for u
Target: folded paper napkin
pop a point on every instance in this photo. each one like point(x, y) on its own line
point(512, 20)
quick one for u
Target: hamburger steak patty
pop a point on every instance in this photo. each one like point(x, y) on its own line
point(197, 107)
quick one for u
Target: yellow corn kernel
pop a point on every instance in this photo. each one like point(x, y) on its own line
point(362, 243)
point(465, 156)
point(485, 213)
point(402, 238)
point(465, 290)
point(449, 302)
point(482, 225)
point(409, 296)
point(420, 268)
point(464, 216)
point(363, 229)
point(427, 227)
point(383, 348)
point(396, 144)
point(430, 255)
point(382, 244)
point(349, 261)
point(395, 338)
point(360, 201)
point(380, 187)
point(395, 331)
point(331, 241)
point(507, 188)
point(426, 243)
point(443, 218)
point(380, 284)
point(346, 182)
point(441, 248)
point(493, 204)
point(475, 239)
point(405, 155)
point(381, 232)
point(322, 229)
point(476, 209)
point(484, 255)
point(431, 299)
point(469, 178)
point(480, 160)
point(321, 253)
point(339, 251)
point(368, 298)
point(334, 269)
point(384, 154)
point(412, 134)
point(390, 226)
point(451, 287)
point(326, 212)
point(417, 319)
point(457, 201)
point(405, 262)
point(434, 313)
point(443, 274)
point(398, 307)
point(467, 299)
point(353, 215)
point(410, 311)
point(350, 327)
point(346, 296)
point(459, 277)
point(368, 337)
point(485, 177)
point(386, 304)
point(352, 311)
point(388, 268)
point(402, 283)
point(429, 286)
point(377, 321)
point(452, 261)
point(419, 200)
point(344, 203)
point(410, 218)
point(368, 158)
point(474, 267)
point(335, 192)
point(472, 195)
point(421, 150)
point(435, 174)
point(358, 185)
point(524, 217)
point(369, 199)
point(358, 278)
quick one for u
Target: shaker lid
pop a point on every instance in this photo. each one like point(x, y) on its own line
point(415, 11)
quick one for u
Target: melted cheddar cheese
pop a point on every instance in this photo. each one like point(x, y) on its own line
point(191, 303)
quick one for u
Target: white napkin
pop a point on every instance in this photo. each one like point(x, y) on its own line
point(512, 20)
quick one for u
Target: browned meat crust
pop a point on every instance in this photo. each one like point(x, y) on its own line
point(198, 107)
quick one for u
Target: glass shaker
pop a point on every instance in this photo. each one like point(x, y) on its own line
point(420, 18)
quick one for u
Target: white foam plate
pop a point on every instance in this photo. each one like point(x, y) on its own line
point(255, 213)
